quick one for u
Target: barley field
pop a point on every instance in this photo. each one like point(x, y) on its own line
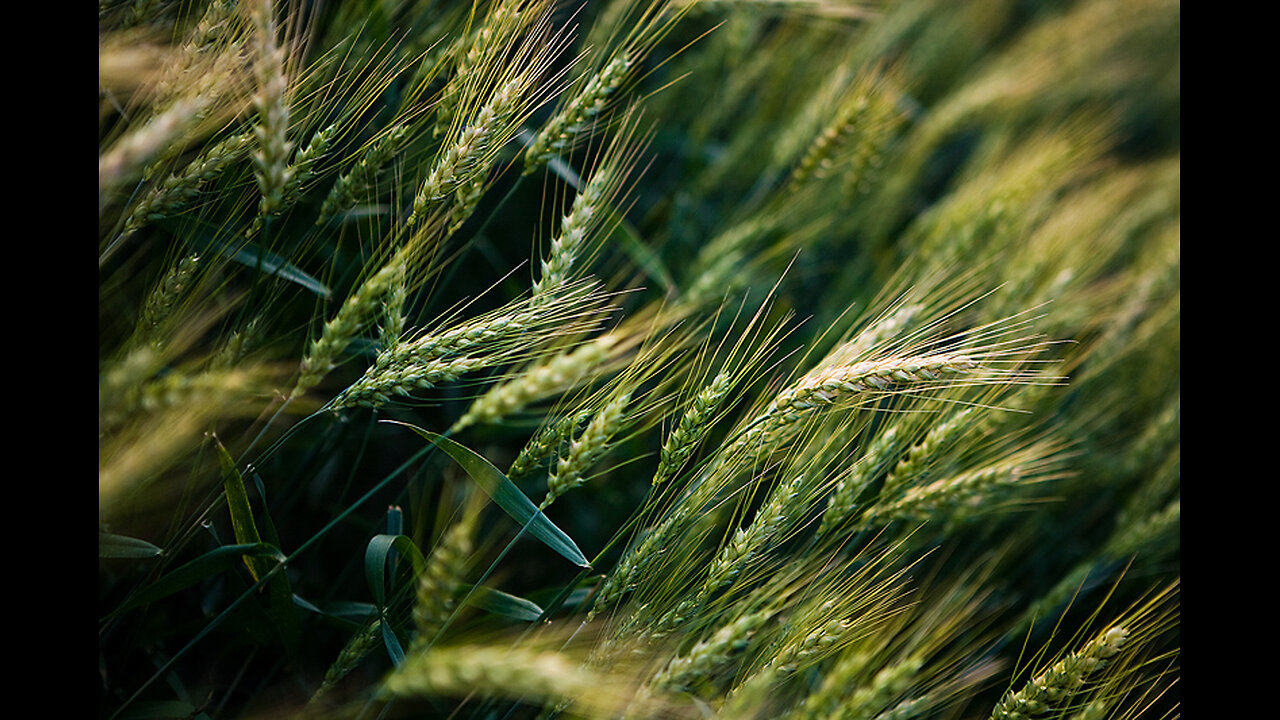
point(500, 359)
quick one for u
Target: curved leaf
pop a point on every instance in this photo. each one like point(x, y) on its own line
point(506, 495)
point(377, 556)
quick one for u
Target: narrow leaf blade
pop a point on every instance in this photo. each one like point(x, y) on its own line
point(238, 504)
point(207, 565)
point(122, 546)
point(279, 594)
point(393, 645)
point(506, 495)
point(268, 262)
point(505, 604)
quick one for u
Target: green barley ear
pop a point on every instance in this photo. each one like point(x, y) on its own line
point(1097, 666)
point(869, 698)
point(440, 584)
point(127, 157)
point(159, 305)
point(355, 184)
point(594, 211)
point(751, 348)
point(237, 345)
point(710, 656)
point(783, 509)
point(150, 426)
point(560, 373)
point(555, 372)
point(996, 354)
point(1055, 686)
point(394, 309)
point(590, 99)
point(177, 389)
point(326, 351)
point(499, 92)
point(692, 426)
point(853, 383)
point(720, 262)
point(271, 158)
point(969, 491)
point(865, 120)
point(586, 449)
point(365, 641)
point(475, 52)
point(506, 335)
point(827, 9)
point(301, 170)
point(836, 610)
point(466, 155)
point(578, 115)
point(927, 453)
point(180, 190)
point(530, 672)
point(545, 443)
point(842, 505)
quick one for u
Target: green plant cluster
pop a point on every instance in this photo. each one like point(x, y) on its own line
point(639, 359)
